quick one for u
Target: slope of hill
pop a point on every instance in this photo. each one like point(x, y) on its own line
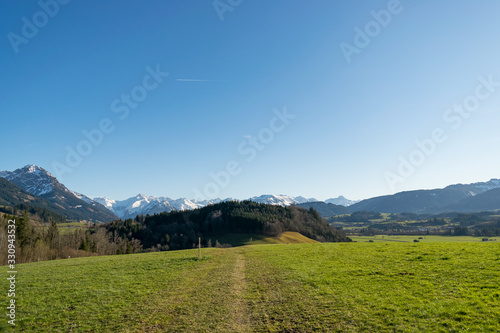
point(290, 237)
point(14, 200)
point(325, 209)
point(180, 230)
point(11, 195)
point(425, 201)
point(486, 201)
point(239, 239)
point(41, 184)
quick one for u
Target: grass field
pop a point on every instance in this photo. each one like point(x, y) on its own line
point(67, 227)
point(341, 287)
point(424, 238)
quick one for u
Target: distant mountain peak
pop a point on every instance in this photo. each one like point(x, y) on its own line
point(40, 183)
point(32, 178)
point(35, 169)
point(280, 199)
point(342, 201)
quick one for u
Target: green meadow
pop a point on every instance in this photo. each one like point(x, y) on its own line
point(333, 287)
point(423, 238)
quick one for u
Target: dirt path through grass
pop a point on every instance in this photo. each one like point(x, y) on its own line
point(240, 311)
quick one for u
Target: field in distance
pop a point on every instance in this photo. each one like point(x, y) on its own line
point(336, 287)
point(422, 238)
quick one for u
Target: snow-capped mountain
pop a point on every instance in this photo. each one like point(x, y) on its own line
point(342, 201)
point(281, 200)
point(40, 183)
point(83, 197)
point(141, 204)
point(32, 179)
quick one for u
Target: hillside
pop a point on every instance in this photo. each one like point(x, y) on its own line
point(180, 230)
point(487, 201)
point(48, 193)
point(325, 209)
point(14, 200)
point(428, 201)
point(11, 195)
point(238, 239)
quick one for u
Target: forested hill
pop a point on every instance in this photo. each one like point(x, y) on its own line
point(179, 230)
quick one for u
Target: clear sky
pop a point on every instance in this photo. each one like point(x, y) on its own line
point(355, 83)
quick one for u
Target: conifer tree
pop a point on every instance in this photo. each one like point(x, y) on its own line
point(53, 235)
point(24, 230)
point(129, 248)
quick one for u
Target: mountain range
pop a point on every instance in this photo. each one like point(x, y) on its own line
point(142, 204)
point(454, 198)
point(341, 201)
point(34, 185)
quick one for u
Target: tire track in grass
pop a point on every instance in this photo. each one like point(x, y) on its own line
point(240, 311)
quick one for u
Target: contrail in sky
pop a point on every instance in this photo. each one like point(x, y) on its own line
point(196, 80)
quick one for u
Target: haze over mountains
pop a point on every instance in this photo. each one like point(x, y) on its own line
point(34, 185)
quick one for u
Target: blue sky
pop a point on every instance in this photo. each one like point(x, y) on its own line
point(354, 122)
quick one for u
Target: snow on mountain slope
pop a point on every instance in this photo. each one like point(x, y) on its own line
point(185, 204)
point(32, 179)
point(39, 182)
point(477, 188)
point(83, 197)
point(141, 204)
point(106, 203)
point(281, 200)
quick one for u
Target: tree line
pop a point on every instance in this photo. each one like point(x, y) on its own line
point(48, 243)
